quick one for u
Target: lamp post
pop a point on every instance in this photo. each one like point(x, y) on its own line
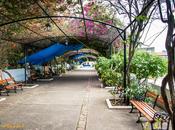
point(25, 61)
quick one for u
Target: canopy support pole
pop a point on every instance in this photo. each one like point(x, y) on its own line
point(57, 73)
point(44, 71)
point(25, 55)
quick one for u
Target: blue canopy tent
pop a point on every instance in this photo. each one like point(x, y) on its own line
point(82, 55)
point(49, 53)
point(77, 56)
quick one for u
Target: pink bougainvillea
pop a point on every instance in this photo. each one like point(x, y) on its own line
point(91, 11)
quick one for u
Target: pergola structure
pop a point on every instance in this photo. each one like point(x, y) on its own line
point(41, 23)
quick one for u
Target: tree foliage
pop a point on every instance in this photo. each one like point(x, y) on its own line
point(137, 15)
point(145, 65)
point(10, 54)
point(107, 71)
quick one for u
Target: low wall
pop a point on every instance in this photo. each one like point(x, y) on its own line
point(18, 74)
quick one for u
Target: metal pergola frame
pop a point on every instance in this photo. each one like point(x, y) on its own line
point(120, 31)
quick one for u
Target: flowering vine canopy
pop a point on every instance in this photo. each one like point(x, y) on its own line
point(42, 22)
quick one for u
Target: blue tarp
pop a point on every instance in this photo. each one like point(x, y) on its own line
point(77, 56)
point(49, 53)
point(82, 55)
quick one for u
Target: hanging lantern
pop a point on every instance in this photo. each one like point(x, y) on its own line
point(66, 43)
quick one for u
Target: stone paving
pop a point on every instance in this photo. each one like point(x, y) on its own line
point(74, 101)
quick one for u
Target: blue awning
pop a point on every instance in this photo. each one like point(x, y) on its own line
point(77, 56)
point(82, 55)
point(49, 53)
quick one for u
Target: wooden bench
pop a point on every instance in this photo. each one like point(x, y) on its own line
point(3, 88)
point(13, 84)
point(9, 84)
point(149, 111)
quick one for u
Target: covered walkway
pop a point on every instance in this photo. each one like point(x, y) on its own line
point(74, 101)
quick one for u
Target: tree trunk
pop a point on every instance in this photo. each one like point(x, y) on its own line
point(173, 121)
point(170, 77)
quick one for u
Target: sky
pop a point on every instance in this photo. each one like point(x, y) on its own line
point(156, 27)
point(154, 30)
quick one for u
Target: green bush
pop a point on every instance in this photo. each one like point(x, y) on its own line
point(117, 62)
point(110, 77)
point(102, 65)
point(108, 70)
point(137, 91)
point(145, 65)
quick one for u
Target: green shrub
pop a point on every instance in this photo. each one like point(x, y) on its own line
point(110, 70)
point(145, 65)
point(102, 65)
point(135, 91)
point(110, 77)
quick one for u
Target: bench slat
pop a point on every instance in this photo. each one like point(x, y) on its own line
point(142, 110)
point(148, 106)
point(145, 105)
point(151, 94)
point(146, 109)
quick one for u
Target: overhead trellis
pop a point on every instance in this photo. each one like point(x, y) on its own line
point(41, 22)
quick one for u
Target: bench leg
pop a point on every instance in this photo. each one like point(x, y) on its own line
point(152, 127)
point(168, 124)
point(21, 87)
point(131, 108)
point(7, 92)
point(138, 120)
point(121, 94)
point(15, 89)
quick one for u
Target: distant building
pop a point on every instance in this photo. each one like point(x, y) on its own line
point(148, 49)
point(152, 50)
point(162, 54)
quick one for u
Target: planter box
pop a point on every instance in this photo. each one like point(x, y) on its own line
point(50, 79)
point(110, 87)
point(102, 85)
point(2, 99)
point(30, 85)
point(116, 107)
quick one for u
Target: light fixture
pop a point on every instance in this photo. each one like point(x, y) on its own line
point(66, 43)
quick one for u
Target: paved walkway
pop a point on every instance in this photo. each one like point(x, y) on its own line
point(74, 101)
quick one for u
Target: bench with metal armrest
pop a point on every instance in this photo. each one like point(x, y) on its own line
point(13, 84)
point(3, 88)
point(149, 111)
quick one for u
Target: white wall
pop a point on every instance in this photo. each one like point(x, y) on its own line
point(18, 74)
